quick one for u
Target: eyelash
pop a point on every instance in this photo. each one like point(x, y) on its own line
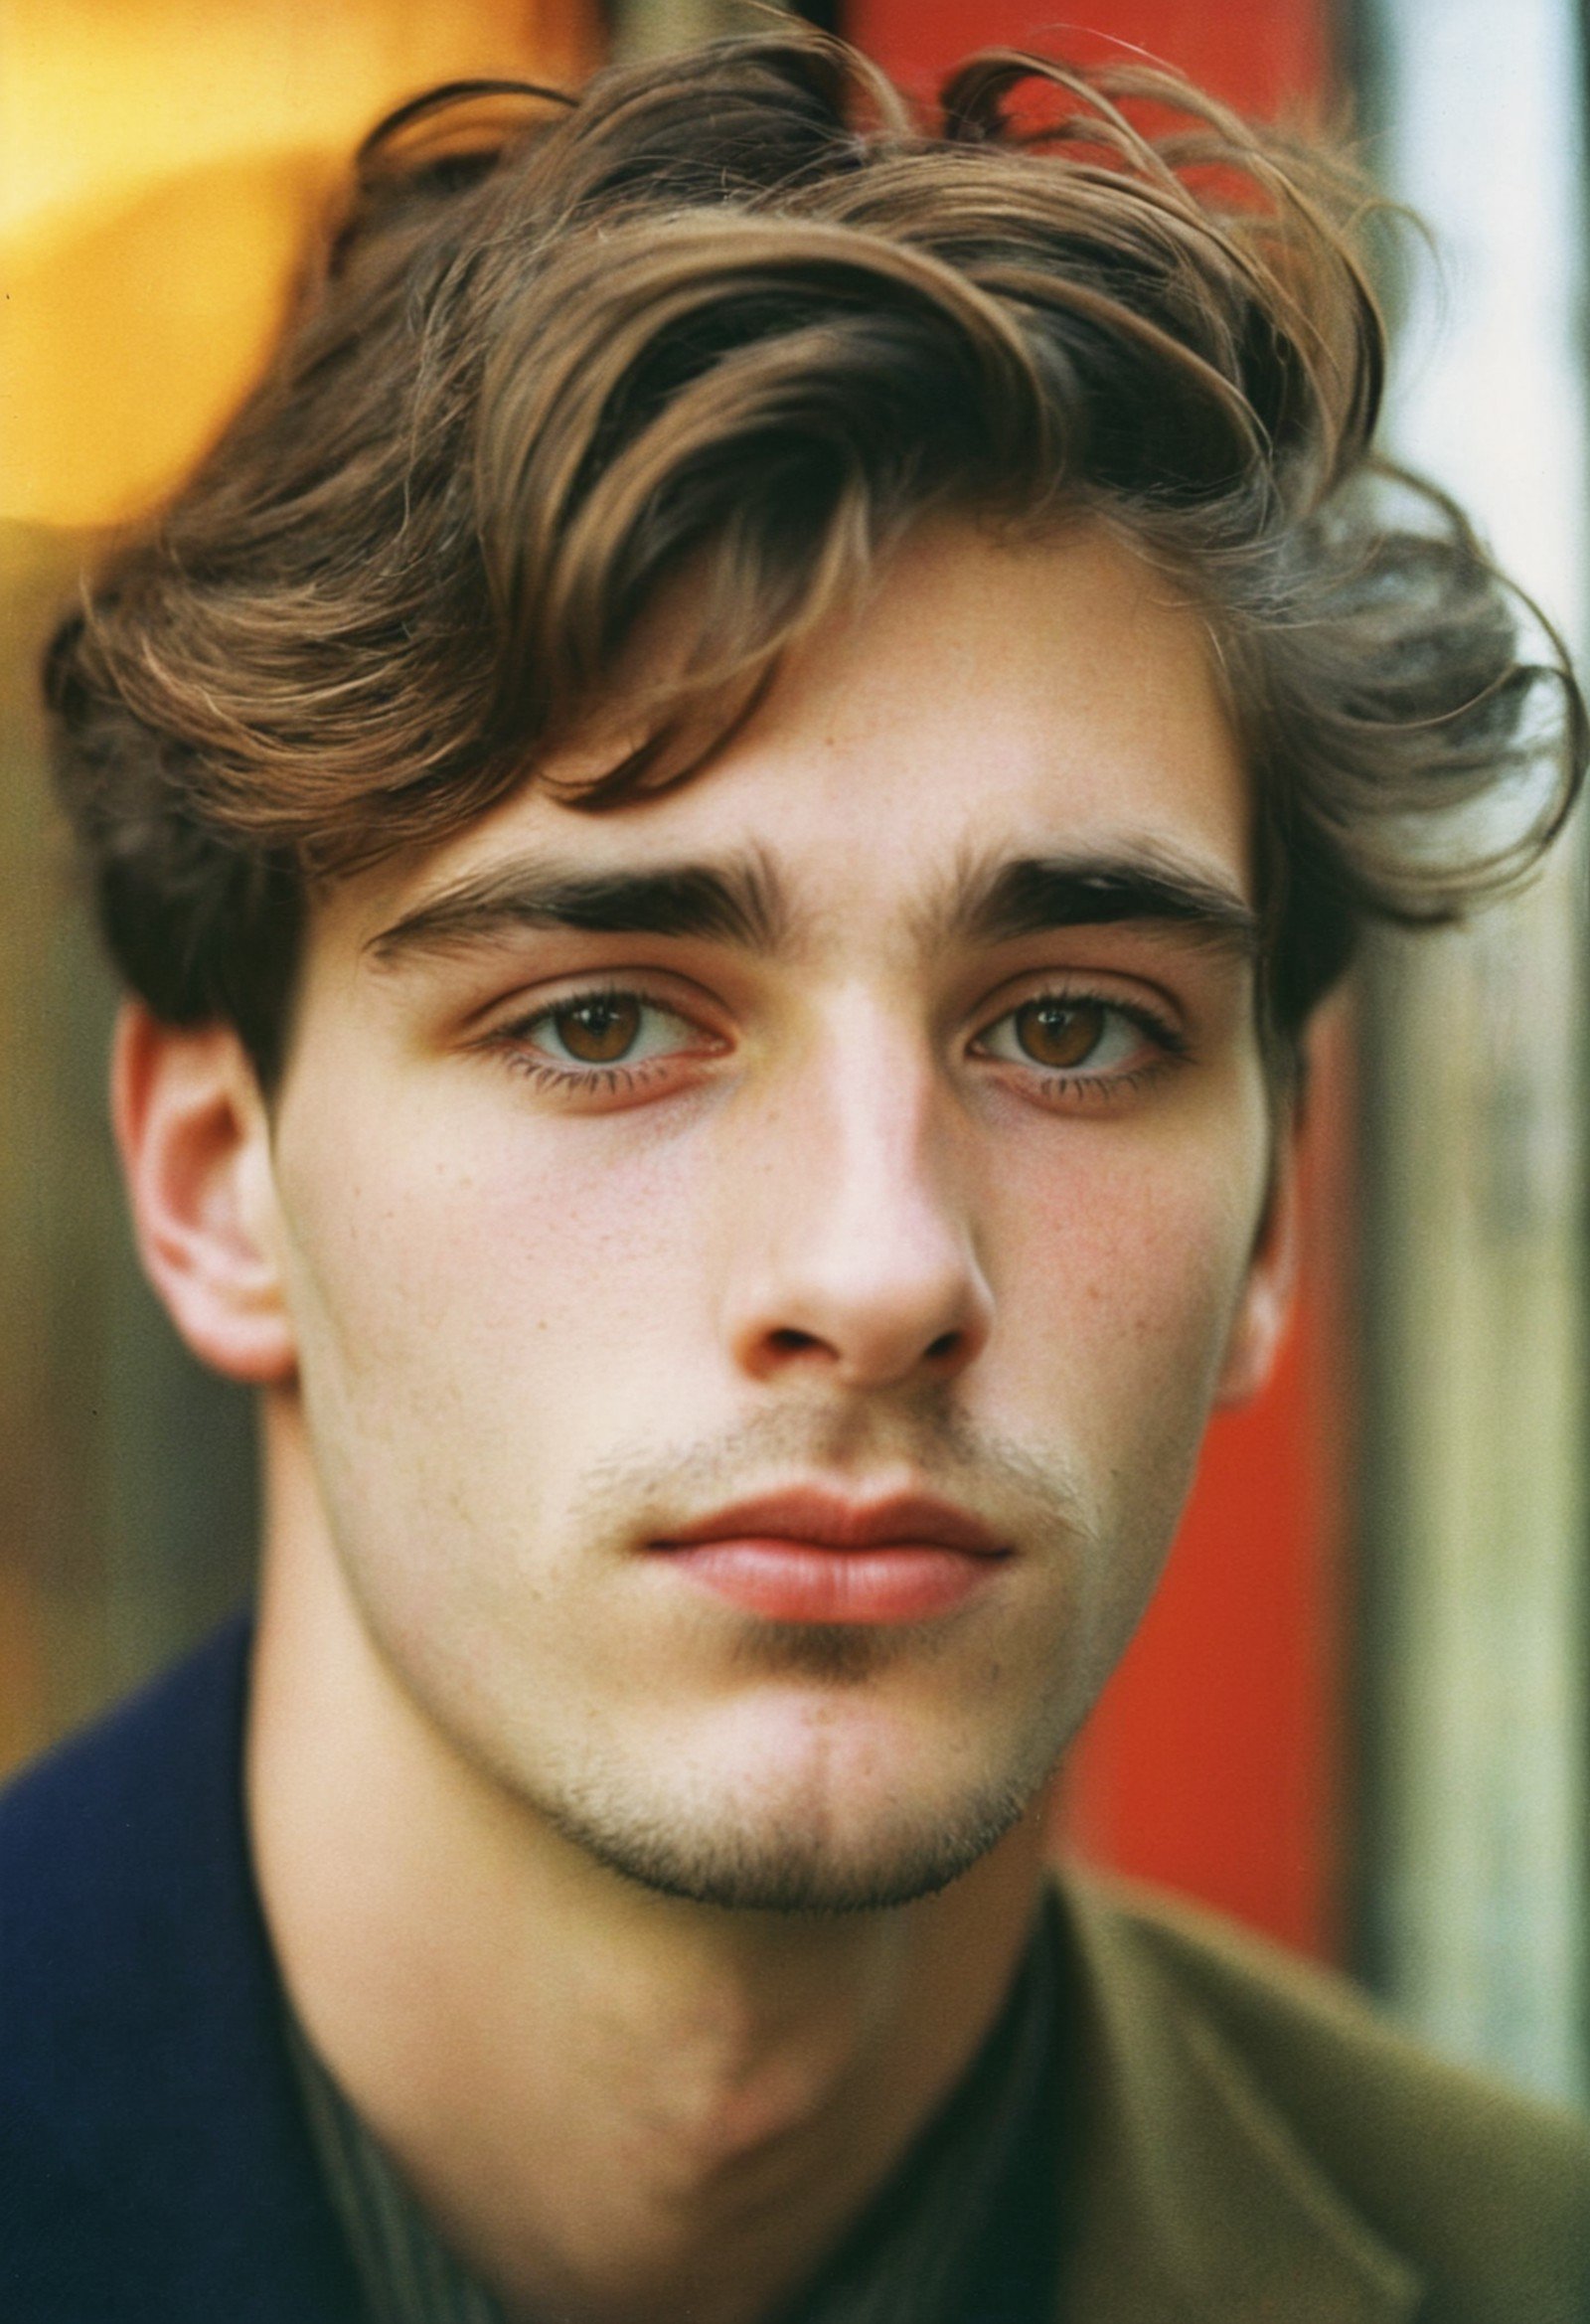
point(1053, 1083)
point(611, 1081)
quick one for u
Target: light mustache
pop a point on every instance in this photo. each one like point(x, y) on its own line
point(930, 1448)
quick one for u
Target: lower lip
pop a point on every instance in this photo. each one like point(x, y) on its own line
point(793, 1582)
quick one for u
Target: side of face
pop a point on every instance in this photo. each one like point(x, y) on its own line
point(879, 1173)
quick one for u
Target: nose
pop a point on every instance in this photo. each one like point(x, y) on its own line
point(855, 1256)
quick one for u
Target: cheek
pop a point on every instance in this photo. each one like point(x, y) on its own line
point(479, 1309)
point(1130, 1259)
point(1116, 1324)
point(468, 1258)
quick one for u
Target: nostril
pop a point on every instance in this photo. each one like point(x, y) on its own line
point(791, 1343)
point(947, 1344)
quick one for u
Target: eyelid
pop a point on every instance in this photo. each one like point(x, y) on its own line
point(658, 988)
point(1171, 1006)
point(672, 996)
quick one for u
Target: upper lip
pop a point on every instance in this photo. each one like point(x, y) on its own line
point(828, 1520)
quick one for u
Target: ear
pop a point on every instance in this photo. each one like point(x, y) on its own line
point(195, 1144)
point(1260, 1324)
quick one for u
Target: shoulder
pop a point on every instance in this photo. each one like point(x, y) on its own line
point(117, 1911)
point(152, 2161)
point(111, 1843)
point(105, 1771)
point(1483, 2192)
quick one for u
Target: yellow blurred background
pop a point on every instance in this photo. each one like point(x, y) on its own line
point(160, 162)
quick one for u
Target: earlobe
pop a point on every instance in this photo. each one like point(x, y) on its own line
point(194, 1140)
point(1260, 1324)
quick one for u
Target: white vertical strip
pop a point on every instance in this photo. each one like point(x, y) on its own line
point(1483, 1793)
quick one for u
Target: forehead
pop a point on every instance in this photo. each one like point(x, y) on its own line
point(990, 699)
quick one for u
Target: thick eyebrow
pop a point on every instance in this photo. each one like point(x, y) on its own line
point(741, 902)
point(738, 901)
point(997, 903)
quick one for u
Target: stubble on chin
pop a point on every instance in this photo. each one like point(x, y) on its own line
point(794, 1864)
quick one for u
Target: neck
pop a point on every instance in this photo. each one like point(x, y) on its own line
point(616, 2104)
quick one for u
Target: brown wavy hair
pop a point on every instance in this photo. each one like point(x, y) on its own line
point(741, 317)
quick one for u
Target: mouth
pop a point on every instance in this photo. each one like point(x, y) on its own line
point(810, 1556)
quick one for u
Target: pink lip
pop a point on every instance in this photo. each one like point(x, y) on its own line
point(807, 1555)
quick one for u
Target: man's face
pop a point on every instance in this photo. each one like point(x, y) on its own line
point(878, 1116)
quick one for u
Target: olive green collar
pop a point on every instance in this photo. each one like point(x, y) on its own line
point(1198, 2201)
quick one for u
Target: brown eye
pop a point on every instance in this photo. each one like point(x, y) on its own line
point(600, 1029)
point(1060, 1034)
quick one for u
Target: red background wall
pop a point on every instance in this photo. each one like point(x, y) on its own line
point(1215, 1763)
point(1260, 54)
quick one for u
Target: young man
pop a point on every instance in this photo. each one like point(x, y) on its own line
point(724, 809)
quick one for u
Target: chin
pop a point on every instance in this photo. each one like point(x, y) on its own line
point(783, 1867)
point(802, 1814)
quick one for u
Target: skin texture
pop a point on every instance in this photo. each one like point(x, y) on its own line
point(644, 1928)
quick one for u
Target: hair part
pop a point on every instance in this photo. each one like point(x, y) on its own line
point(738, 319)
